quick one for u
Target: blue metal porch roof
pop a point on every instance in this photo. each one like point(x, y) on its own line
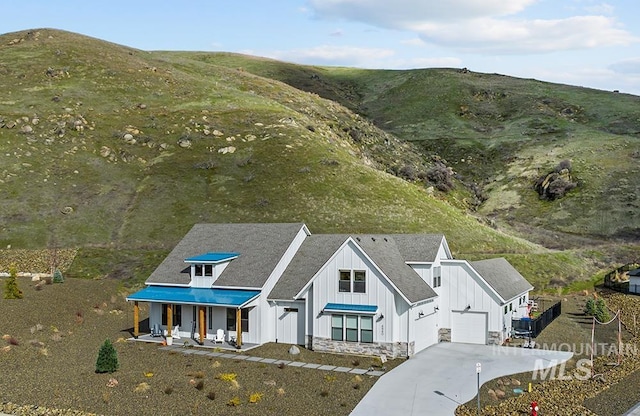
point(195, 296)
point(348, 308)
point(211, 257)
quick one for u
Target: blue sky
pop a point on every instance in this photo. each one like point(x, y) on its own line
point(590, 43)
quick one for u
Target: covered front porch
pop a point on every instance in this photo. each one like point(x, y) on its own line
point(208, 344)
point(204, 316)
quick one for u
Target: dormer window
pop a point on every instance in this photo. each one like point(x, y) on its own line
point(352, 281)
point(205, 268)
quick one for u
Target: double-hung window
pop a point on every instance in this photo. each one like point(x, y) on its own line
point(352, 328)
point(437, 276)
point(231, 319)
point(352, 281)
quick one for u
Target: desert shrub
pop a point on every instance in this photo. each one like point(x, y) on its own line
point(107, 361)
point(199, 385)
point(602, 313)
point(11, 289)
point(255, 397)
point(407, 172)
point(168, 390)
point(57, 276)
point(440, 176)
point(234, 402)
point(590, 307)
point(211, 395)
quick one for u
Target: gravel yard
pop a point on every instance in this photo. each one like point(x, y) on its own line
point(53, 335)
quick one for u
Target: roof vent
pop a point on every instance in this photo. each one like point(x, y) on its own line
point(373, 239)
point(385, 239)
point(358, 238)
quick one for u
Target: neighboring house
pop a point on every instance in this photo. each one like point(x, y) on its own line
point(634, 281)
point(391, 294)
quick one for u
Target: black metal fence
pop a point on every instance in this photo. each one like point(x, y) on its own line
point(533, 327)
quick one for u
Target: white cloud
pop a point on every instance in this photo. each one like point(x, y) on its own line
point(627, 66)
point(395, 14)
point(482, 26)
point(335, 55)
point(601, 8)
point(413, 42)
point(527, 36)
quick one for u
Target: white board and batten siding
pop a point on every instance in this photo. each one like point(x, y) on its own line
point(265, 311)
point(377, 292)
point(290, 323)
point(462, 288)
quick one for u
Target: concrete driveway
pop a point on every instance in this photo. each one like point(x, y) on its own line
point(437, 380)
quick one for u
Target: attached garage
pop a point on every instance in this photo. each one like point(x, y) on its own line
point(469, 327)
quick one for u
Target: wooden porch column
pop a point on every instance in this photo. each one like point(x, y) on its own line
point(136, 319)
point(238, 328)
point(169, 319)
point(202, 324)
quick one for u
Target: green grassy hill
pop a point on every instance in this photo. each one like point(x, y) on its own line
point(501, 133)
point(118, 151)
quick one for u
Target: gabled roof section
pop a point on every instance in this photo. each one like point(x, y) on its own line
point(420, 247)
point(315, 251)
point(502, 277)
point(261, 246)
point(384, 252)
point(212, 258)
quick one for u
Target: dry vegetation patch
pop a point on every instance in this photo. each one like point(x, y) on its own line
point(49, 356)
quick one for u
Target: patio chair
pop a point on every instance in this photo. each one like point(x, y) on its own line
point(175, 332)
point(219, 338)
point(156, 331)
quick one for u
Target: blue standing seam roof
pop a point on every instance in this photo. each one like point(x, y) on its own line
point(345, 307)
point(194, 295)
point(212, 257)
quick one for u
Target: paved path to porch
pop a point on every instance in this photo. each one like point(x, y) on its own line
point(241, 357)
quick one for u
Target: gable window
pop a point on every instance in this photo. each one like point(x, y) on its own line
point(359, 281)
point(231, 319)
point(437, 276)
point(352, 328)
point(177, 314)
point(352, 281)
point(345, 281)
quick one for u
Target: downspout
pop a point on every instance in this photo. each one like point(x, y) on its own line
point(408, 329)
point(276, 317)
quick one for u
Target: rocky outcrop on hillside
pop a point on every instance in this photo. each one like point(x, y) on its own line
point(557, 183)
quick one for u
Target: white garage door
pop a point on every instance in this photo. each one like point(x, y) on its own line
point(469, 327)
point(426, 332)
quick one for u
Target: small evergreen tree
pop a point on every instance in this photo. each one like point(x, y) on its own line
point(602, 313)
point(107, 361)
point(57, 276)
point(590, 307)
point(11, 289)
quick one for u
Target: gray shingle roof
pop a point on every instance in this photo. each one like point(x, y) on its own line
point(386, 254)
point(316, 250)
point(261, 246)
point(502, 277)
point(418, 247)
point(383, 251)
